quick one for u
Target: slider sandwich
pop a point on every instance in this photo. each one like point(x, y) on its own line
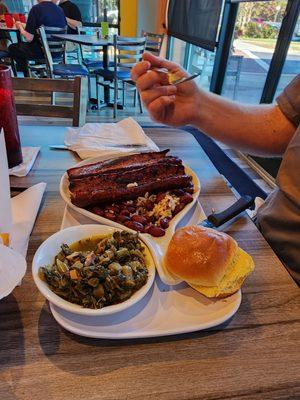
point(209, 261)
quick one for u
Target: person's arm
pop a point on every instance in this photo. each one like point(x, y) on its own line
point(28, 36)
point(261, 130)
point(73, 23)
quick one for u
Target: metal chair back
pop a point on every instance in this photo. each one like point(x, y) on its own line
point(154, 42)
point(56, 46)
point(90, 52)
point(46, 51)
point(128, 51)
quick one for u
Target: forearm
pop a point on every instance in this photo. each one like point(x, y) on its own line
point(260, 130)
point(28, 36)
point(73, 23)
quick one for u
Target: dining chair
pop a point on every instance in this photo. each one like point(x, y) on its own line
point(127, 52)
point(3, 54)
point(154, 42)
point(77, 87)
point(58, 70)
point(56, 47)
point(61, 70)
point(91, 56)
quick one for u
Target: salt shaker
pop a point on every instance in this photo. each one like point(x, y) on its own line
point(5, 202)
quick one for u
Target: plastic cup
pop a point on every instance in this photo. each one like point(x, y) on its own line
point(9, 20)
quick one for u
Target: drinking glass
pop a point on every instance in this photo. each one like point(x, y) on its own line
point(8, 118)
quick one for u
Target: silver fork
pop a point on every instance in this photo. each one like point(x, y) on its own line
point(179, 80)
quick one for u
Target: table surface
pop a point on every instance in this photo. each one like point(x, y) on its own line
point(87, 40)
point(4, 28)
point(253, 356)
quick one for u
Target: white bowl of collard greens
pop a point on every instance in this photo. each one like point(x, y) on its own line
point(93, 269)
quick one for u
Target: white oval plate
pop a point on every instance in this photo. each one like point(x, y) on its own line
point(51, 247)
point(157, 246)
point(164, 311)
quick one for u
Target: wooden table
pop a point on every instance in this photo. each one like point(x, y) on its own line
point(254, 356)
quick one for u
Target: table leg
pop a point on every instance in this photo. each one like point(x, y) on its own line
point(105, 65)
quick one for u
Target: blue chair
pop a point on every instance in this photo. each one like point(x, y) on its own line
point(3, 54)
point(92, 56)
point(60, 70)
point(127, 52)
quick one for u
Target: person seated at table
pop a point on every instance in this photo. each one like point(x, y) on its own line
point(264, 130)
point(4, 36)
point(72, 14)
point(44, 13)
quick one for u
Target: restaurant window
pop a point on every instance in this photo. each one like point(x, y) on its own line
point(177, 50)
point(201, 61)
point(292, 63)
point(256, 31)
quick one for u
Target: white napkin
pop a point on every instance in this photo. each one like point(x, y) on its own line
point(93, 140)
point(12, 270)
point(25, 207)
point(29, 156)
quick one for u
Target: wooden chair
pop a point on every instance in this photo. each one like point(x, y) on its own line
point(78, 87)
point(127, 52)
point(154, 42)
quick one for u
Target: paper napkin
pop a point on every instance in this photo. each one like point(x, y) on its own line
point(29, 156)
point(25, 207)
point(109, 139)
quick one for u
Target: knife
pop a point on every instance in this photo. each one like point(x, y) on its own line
point(64, 147)
point(217, 219)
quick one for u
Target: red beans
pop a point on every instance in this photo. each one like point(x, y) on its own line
point(164, 223)
point(160, 197)
point(187, 198)
point(110, 216)
point(155, 231)
point(139, 218)
point(149, 205)
point(98, 211)
point(178, 192)
point(125, 213)
point(123, 218)
point(113, 208)
point(178, 208)
point(136, 226)
point(189, 190)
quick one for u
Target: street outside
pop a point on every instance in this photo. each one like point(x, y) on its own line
point(257, 55)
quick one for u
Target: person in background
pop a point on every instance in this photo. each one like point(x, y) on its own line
point(72, 14)
point(44, 13)
point(265, 130)
point(3, 35)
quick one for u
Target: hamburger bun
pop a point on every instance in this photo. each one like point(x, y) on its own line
point(209, 261)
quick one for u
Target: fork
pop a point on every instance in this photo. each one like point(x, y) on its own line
point(179, 80)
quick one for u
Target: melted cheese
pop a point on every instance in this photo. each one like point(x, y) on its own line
point(233, 278)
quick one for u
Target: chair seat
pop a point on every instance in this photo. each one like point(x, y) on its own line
point(108, 74)
point(95, 64)
point(4, 54)
point(70, 70)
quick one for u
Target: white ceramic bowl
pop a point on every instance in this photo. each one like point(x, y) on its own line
point(51, 247)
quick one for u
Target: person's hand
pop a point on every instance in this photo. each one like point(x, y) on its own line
point(169, 104)
point(19, 25)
